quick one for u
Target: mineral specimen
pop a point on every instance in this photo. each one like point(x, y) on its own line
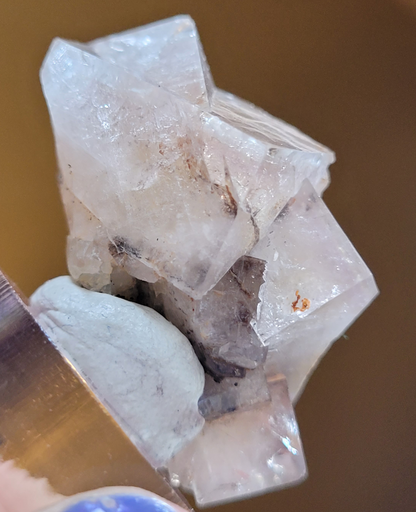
point(190, 200)
point(138, 364)
point(166, 168)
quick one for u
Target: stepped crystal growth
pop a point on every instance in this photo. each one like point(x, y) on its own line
point(193, 201)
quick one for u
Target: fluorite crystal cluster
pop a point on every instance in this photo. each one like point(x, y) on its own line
point(187, 199)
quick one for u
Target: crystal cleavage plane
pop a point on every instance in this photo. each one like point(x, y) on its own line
point(190, 200)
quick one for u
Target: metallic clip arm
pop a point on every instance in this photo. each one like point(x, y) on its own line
point(50, 422)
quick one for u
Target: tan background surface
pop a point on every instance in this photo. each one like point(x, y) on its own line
point(345, 73)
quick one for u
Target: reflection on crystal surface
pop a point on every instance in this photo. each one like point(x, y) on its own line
point(244, 453)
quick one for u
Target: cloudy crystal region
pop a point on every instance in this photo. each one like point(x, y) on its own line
point(131, 149)
point(316, 284)
point(167, 53)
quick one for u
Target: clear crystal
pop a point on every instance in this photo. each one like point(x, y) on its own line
point(288, 150)
point(244, 453)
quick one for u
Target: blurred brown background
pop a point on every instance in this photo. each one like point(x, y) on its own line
point(343, 71)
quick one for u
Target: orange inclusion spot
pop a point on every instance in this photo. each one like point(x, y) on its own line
point(306, 303)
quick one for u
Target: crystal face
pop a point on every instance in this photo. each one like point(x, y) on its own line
point(245, 452)
point(316, 285)
point(190, 200)
point(167, 54)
